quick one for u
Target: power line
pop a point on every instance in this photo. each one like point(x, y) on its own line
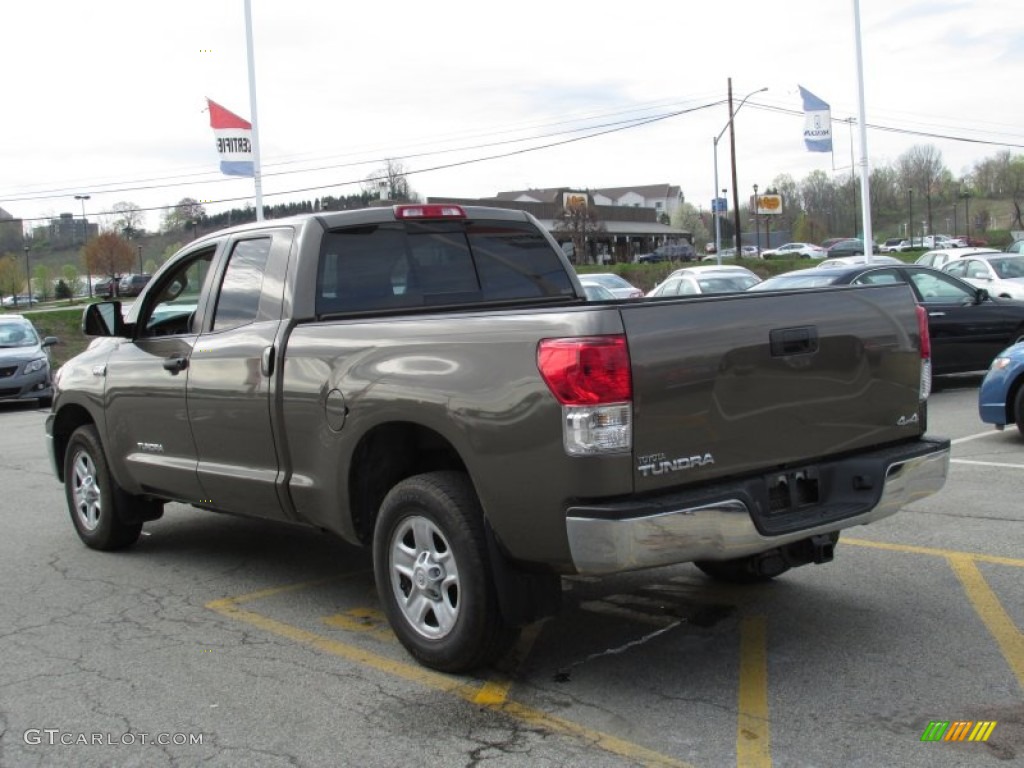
point(614, 128)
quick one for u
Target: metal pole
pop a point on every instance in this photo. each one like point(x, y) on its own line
point(256, 172)
point(140, 259)
point(735, 189)
point(85, 236)
point(757, 226)
point(865, 181)
point(28, 276)
point(715, 211)
point(910, 215)
point(967, 215)
point(732, 146)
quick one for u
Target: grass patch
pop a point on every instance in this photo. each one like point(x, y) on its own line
point(66, 325)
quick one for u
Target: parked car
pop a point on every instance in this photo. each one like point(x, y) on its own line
point(1001, 274)
point(620, 287)
point(677, 252)
point(21, 300)
point(707, 278)
point(597, 292)
point(24, 361)
point(132, 285)
point(968, 327)
point(795, 250)
point(851, 261)
point(1001, 395)
point(106, 287)
point(939, 258)
point(848, 247)
point(726, 254)
point(893, 244)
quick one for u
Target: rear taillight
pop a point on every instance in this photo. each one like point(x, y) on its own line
point(590, 376)
point(429, 212)
point(926, 352)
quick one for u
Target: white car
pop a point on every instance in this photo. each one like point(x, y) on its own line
point(942, 256)
point(1001, 274)
point(795, 250)
point(620, 287)
point(708, 278)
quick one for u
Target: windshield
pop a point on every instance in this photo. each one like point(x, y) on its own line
point(17, 334)
point(782, 282)
point(1008, 267)
point(726, 284)
point(608, 281)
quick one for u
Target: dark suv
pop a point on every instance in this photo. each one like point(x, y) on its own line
point(132, 285)
point(681, 252)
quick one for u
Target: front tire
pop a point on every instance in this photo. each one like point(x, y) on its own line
point(92, 494)
point(433, 574)
point(1018, 409)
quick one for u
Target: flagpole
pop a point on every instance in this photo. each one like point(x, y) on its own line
point(865, 184)
point(256, 173)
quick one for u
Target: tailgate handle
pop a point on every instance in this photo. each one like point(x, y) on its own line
point(794, 341)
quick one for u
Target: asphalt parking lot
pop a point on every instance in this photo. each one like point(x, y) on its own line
point(230, 642)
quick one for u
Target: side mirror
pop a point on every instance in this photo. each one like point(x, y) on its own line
point(103, 319)
point(982, 296)
point(49, 341)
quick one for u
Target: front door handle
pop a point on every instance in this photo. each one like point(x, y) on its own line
point(175, 364)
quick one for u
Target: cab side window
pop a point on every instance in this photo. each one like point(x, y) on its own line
point(240, 291)
point(176, 299)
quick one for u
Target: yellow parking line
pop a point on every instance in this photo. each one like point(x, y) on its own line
point(987, 605)
point(753, 738)
point(229, 607)
point(994, 559)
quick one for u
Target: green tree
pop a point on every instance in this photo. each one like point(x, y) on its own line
point(151, 266)
point(109, 254)
point(687, 218)
point(128, 219)
point(12, 279)
point(393, 178)
point(187, 212)
point(70, 276)
point(42, 281)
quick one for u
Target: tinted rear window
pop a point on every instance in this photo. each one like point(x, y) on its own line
point(411, 264)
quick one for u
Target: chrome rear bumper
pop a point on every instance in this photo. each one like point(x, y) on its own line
point(724, 529)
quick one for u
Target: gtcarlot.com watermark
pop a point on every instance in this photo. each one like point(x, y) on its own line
point(54, 736)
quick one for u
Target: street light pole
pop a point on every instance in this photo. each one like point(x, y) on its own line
point(28, 277)
point(85, 236)
point(732, 146)
point(910, 215)
point(140, 259)
point(732, 115)
point(757, 226)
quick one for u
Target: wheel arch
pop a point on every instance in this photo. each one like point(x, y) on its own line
point(1011, 398)
point(384, 456)
point(68, 419)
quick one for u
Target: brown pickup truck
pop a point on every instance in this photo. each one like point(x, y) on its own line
point(430, 381)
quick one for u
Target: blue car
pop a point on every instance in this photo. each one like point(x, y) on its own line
point(1001, 397)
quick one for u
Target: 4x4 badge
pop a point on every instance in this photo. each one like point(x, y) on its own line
point(903, 421)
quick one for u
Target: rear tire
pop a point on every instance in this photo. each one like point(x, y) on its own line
point(94, 499)
point(433, 573)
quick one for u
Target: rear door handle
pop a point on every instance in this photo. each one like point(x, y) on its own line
point(936, 314)
point(175, 364)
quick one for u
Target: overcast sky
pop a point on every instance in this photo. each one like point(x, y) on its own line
point(107, 98)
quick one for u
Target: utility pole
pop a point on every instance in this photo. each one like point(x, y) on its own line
point(735, 189)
